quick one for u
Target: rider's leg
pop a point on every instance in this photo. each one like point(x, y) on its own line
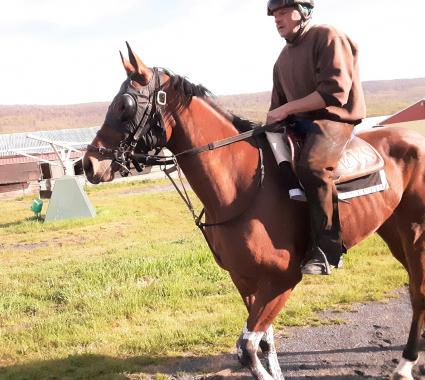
point(322, 149)
point(283, 158)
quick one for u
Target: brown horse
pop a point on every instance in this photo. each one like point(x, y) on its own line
point(263, 238)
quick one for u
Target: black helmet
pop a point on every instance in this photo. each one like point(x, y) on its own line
point(272, 5)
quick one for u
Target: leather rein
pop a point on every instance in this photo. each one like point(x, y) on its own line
point(146, 123)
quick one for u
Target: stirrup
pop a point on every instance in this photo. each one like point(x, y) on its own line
point(318, 264)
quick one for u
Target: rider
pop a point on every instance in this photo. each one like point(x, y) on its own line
point(315, 80)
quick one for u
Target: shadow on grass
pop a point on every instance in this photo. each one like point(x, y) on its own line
point(21, 222)
point(104, 367)
point(217, 367)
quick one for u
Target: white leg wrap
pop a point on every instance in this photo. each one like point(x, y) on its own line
point(280, 149)
point(257, 369)
point(271, 355)
point(404, 368)
point(269, 335)
point(253, 337)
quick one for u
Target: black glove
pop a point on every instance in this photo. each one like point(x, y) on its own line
point(278, 127)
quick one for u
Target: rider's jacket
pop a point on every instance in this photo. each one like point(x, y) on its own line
point(325, 60)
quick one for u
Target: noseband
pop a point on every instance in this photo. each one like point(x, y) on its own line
point(139, 115)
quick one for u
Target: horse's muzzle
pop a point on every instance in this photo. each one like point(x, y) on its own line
point(89, 171)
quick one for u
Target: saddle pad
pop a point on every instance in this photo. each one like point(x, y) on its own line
point(369, 184)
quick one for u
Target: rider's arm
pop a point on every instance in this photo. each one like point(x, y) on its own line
point(278, 97)
point(336, 71)
point(311, 102)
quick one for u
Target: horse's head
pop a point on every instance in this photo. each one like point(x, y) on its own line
point(134, 122)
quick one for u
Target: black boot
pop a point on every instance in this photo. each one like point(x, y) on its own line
point(316, 263)
point(292, 183)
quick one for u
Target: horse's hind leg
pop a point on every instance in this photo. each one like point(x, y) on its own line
point(412, 242)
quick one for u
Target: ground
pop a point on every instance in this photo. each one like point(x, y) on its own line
point(367, 346)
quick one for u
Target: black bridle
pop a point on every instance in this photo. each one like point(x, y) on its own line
point(138, 113)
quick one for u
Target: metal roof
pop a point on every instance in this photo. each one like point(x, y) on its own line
point(12, 143)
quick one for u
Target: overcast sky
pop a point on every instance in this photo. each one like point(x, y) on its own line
point(62, 52)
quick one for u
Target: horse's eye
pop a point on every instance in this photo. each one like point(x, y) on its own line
point(125, 108)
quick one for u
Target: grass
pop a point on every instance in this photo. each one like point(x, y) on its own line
point(101, 298)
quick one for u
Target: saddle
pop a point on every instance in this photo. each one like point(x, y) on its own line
point(358, 159)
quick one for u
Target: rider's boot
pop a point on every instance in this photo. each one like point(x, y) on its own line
point(317, 262)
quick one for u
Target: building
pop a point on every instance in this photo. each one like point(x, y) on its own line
point(20, 174)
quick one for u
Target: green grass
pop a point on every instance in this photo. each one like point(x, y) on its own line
point(101, 298)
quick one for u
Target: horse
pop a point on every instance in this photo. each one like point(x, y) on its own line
point(254, 230)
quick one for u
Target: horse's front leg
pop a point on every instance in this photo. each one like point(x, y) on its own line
point(269, 351)
point(269, 300)
point(247, 347)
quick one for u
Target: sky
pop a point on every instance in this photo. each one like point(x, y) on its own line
point(67, 52)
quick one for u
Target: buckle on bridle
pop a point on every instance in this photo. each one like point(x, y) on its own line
point(102, 150)
point(161, 98)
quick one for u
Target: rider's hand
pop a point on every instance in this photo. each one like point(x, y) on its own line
point(278, 114)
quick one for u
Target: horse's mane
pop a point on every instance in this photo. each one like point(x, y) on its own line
point(185, 90)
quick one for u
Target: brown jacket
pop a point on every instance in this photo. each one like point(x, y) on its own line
point(325, 60)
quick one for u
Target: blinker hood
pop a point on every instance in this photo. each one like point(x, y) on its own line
point(130, 105)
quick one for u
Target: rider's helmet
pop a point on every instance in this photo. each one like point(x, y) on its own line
point(305, 7)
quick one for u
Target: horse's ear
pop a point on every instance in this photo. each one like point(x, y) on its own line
point(127, 65)
point(138, 64)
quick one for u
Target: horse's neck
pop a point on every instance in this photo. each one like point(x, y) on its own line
point(219, 176)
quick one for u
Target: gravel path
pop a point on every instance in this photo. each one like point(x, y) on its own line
point(367, 346)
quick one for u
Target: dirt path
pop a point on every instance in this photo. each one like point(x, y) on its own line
point(367, 346)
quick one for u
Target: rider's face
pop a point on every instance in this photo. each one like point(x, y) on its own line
point(288, 21)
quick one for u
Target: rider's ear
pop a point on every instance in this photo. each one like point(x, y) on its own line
point(127, 65)
point(144, 71)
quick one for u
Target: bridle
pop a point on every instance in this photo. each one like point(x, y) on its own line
point(139, 114)
point(145, 135)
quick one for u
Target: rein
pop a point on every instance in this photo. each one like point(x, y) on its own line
point(186, 199)
point(154, 160)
